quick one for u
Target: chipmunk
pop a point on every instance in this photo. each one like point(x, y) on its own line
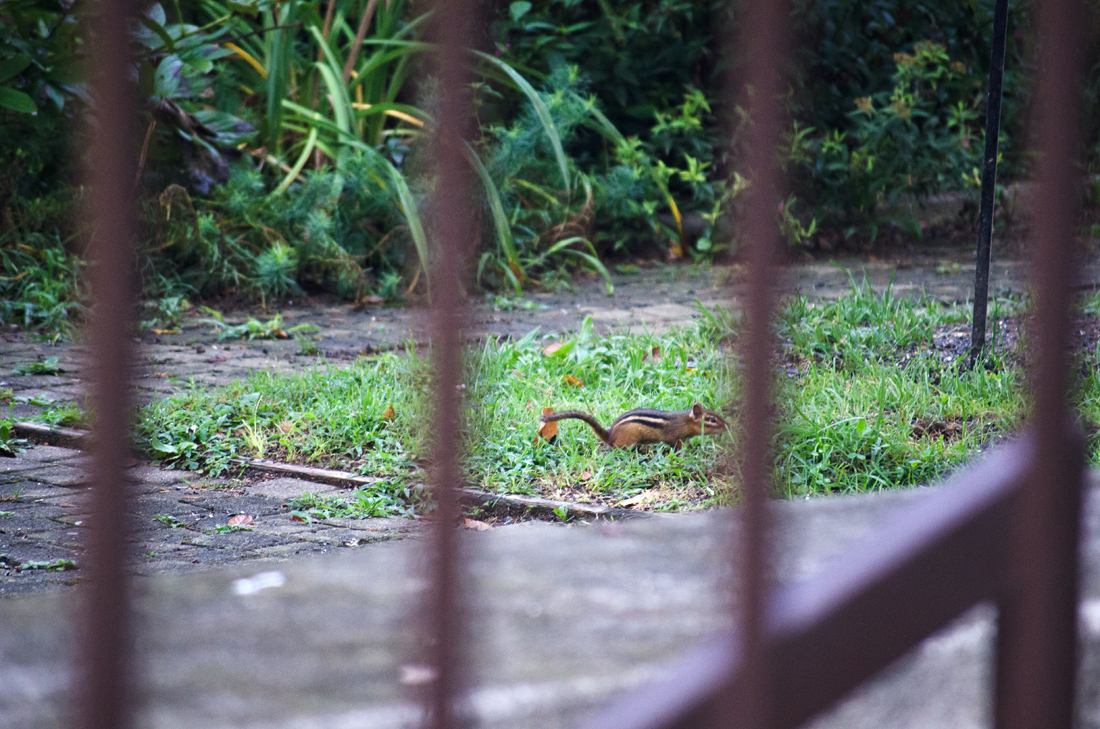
point(644, 426)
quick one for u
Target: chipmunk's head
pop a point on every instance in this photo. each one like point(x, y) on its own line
point(708, 420)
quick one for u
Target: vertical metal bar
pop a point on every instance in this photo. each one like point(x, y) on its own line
point(989, 179)
point(452, 226)
point(106, 649)
point(1036, 644)
point(764, 38)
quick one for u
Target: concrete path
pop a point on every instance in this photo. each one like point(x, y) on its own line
point(563, 619)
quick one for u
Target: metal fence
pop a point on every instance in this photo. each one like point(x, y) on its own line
point(1005, 531)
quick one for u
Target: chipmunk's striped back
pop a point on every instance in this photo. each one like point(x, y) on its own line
point(645, 425)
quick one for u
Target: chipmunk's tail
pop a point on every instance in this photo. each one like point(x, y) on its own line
point(577, 415)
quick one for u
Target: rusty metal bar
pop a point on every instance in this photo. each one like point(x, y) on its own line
point(826, 635)
point(764, 37)
point(452, 225)
point(1036, 649)
point(103, 694)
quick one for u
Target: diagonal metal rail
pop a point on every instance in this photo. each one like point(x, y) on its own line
point(824, 636)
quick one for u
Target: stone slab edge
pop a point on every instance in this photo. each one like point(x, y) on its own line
point(345, 479)
point(68, 436)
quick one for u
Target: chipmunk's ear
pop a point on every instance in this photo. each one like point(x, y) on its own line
point(697, 411)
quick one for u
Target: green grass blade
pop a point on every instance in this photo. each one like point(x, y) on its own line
point(500, 220)
point(297, 168)
point(595, 263)
point(541, 111)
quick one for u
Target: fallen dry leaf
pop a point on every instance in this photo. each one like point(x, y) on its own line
point(571, 380)
point(547, 431)
point(655, 354)
point(676, 252)
point(636, 500)
point(374, 300)
point(286, 426)
point(477, 526)
point(586, 475)
point(549, 349)
point(241, 520)
point(295, 517)
point(389, 413)
point(216, 359)
point(280, 334)
point(164, 331)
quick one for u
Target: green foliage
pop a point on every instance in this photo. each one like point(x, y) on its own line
point(9, 444)
point(48, 366)
point(640, 55)
point(251, 328)
point(363, 503)
point(915, 140)
point(39, 94)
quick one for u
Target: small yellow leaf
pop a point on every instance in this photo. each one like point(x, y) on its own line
point(676, 252)
point(389, 413)
point(571, 380)
point(165, 331)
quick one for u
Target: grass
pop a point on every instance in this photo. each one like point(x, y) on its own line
point(869, 395)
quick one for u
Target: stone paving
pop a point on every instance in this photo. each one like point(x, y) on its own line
point(179, 521)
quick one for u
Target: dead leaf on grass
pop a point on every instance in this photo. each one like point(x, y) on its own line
point(547, 431)
point(389, 413)
point(637, 499)
point(549, 349)
point(573, 381)
point(477, 526)
point(286, 426)
point(586, 475)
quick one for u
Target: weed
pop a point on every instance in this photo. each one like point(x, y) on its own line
point(230, 528)
point(306, 346)
point(169, 521)
point(9, 444)
point(252, 328)
point(361, 504)
point(65, 414)
point(48, 366)
point(57, 565)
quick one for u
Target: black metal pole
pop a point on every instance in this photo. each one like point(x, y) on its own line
point(989, 179)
